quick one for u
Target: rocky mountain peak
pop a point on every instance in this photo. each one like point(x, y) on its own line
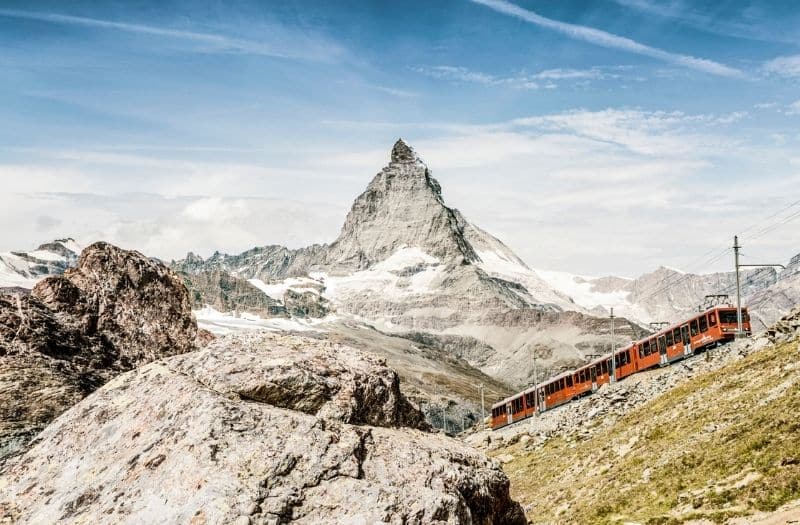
point(402, 152)
point(401, 207)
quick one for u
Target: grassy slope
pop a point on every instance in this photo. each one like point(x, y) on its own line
point(723, 445)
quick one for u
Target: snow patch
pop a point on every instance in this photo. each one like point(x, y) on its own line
point(408, 271)
point(276, 290)
point(221, 323)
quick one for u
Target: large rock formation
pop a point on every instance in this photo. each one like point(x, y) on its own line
point(254, 429)
point(117, 309)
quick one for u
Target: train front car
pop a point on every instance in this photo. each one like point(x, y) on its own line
point(729, 324)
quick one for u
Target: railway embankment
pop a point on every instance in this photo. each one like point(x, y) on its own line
point(713, 439)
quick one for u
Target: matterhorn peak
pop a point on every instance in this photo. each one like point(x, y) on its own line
point(402, 152)
point(401, 207)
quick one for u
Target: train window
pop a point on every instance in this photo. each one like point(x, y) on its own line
point(518, 404)
point(712, 319)
point(529, 399)
point(727, 316)
point(670, 342)
point(645, 349)
point(662, 344)
point(641, 351)
point(693, 327)
point(569, 380)
point(703, 324)
point(676, 335)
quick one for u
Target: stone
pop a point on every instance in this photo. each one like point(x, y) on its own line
point(117, 309)
point(203, 438)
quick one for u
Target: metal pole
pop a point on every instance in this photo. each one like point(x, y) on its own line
point(736, 247)
point(613, 349)
point(535, 383)
point(483, 410)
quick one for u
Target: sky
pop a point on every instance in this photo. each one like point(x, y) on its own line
point(604, 137)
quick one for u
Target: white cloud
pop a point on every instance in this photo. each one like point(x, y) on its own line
point(543, 79)
point(402, 93)
point(793, 108)
point(466, 75)
point(295, 46)
point(609, 40)
point(787, 66)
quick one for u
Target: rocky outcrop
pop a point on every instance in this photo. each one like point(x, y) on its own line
point(254, 429)
point(785, 329)
point(305, 303)
point(227, 293)
point(117, 309)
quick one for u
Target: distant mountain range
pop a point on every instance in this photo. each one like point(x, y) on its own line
point(24, 269)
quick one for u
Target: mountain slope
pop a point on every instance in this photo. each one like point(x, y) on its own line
point(667, 294)
point(721, 444)
point(24, 269)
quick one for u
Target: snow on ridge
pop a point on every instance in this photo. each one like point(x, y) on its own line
point(278, 289)
point(220, 323)
point(497, 265)
point(387, 277)
point(71, 245)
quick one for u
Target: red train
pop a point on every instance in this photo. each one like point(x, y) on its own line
point(713, 327)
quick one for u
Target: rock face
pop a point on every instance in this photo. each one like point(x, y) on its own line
point(253, 429)
point(227, 293)
point(114, 311)
point(402, 206)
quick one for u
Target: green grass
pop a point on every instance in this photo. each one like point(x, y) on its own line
point(750, 462)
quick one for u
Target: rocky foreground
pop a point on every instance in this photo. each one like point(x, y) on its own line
point(257, 429)
point(115, 310)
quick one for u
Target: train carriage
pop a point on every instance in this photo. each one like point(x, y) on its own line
point(704, 330)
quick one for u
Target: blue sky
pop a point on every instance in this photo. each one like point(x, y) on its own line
point(594, 138)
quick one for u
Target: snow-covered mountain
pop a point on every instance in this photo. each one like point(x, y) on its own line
point(24, 269)
point(667, 294)
point(406, 262)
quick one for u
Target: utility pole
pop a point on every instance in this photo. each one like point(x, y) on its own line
point(736, 247)
point(483, 410)
point(738, 288)
point(535, 383)
point(613, 350)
